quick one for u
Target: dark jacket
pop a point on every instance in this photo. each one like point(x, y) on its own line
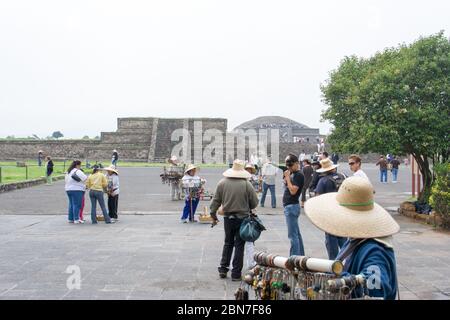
point(49, 167)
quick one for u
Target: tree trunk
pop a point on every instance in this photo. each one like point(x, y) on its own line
point(427, 177)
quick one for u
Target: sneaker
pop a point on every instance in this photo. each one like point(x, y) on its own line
point(193, 220)
point(70, 221)
point(78, 222)
point(222, 275)
point(183, 221)
point(112, 221)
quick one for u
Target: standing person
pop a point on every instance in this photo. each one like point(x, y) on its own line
point(327, 184)
point(115, 158)
point(269, 175)
point(237, 197)
point(254, 179)
point(97, 183)
point(49, 171)
point(352, 213)
point(294, 182)
point(191, 184)
point(40, 157)
point(75, 187)
point(316, 176)
point(230, 161)
point(113, 192)
point(394, 163)
point(383, 169)
point(308, 172)
point(302, 157)
point(176, 173)
point(354, 161)
point(335, 158)
point(323, 155)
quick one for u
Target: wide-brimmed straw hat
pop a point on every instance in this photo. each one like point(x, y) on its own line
point(251, 167)
point(112, 169)
point(326, 165)
point(190, 167)
point(237, 171)
point(351, 212)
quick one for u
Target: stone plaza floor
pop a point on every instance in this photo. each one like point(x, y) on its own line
point(149, 254)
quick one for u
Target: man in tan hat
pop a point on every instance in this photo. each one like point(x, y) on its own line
point(191, 184)
point(351, 213)
point(330, 181)
point(237, 197)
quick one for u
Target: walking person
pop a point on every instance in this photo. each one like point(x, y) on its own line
point(383, 169)
point(328, 184)
point(308, 172)
point(97, 183)
point(394, 163)
point(235, 194)
point(75, 187)
point(269, 176)
point(49, 171)
point(351, 213)
point(115, 158)
point(113, 192)
point(294, 182)
point(191, 183)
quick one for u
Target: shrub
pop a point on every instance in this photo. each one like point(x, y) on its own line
point(440, 193)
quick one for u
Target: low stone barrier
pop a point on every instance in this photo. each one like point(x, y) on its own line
point(26, 184)
point(409, 210)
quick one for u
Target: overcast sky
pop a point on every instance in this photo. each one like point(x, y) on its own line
point(75, 66)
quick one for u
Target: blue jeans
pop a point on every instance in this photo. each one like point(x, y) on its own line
point(394, 174)
point(98, 196)
point(114, 162)
point(271, 187)
point(333, 245)
point(383, 175)
point(187, 208)
point(292, 212)
point(75, 198)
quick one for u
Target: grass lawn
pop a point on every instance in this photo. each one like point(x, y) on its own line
point(11, 173)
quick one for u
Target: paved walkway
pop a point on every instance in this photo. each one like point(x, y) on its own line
point(148, 254)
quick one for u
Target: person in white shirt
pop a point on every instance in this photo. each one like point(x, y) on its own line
point(75, 188)
point(354, 161)
point(269, 175)
point(192, 184)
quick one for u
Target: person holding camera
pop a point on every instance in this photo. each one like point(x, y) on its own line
point(294, 182)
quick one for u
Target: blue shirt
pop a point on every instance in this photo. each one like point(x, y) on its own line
point(325, 185)
point(368, 258)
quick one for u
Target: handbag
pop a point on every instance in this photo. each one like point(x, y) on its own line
point(75, 177)
point(251, 228)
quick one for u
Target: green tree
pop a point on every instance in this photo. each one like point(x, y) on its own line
point(86, 138)
point(397, 101)
point(57, 134)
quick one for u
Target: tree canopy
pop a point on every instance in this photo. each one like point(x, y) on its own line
point(397, 101)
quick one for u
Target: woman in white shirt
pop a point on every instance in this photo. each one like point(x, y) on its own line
point(75, 188)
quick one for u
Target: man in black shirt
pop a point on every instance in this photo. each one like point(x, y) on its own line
point(294, 181)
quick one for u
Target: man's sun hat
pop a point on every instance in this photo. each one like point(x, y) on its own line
point(190, 167)
point(237, 171)
point(112, 169)
point(351, 212)
point(326, 165)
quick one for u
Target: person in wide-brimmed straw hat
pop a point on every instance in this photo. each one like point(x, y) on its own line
point(330, 181)
point(352, 213)
point(113, 192)
point(235, 194)
point(237, 171)
point(192, 185)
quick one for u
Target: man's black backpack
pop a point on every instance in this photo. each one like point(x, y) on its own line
point(337, 178)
